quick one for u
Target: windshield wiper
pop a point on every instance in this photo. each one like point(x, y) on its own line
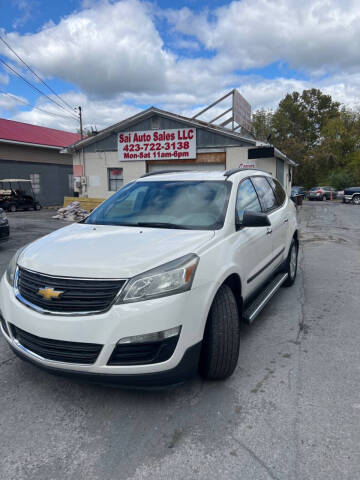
point(162, 225)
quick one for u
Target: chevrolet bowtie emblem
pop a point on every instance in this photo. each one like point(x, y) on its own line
point(49, 293)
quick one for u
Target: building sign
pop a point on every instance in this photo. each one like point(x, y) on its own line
point(172, 144)
point(242, 111)
point(250, 164)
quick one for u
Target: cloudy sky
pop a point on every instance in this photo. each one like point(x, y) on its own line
point(115, 58)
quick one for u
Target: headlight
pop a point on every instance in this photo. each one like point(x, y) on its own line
point(173, 277)
point(11, 269)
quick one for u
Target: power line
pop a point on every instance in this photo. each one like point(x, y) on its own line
point(34, 73)
point(33, 86)
point(15, 98)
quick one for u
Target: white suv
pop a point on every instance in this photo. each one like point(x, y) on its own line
point(151, 287)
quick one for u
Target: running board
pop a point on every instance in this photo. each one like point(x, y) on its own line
point(253, 310)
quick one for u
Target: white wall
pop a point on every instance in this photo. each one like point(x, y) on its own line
point(132, 170)
point(96, 165)
point(235, 156)
point(239, 155)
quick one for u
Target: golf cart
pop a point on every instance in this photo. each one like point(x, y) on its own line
point(17, 194)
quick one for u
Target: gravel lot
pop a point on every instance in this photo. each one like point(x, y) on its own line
point(290, 411)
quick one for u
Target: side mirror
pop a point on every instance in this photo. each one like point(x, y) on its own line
point(253, 219)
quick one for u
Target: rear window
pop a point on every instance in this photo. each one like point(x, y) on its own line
point(278, 190)
point(265, 193)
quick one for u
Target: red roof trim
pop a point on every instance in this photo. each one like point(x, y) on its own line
point(27, 133)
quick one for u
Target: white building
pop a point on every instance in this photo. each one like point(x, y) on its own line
point(156, 140)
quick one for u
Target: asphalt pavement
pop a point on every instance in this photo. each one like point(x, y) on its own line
point(290, 411)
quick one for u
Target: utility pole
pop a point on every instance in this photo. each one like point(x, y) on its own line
point(81, 126)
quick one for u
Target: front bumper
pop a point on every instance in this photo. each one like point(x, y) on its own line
point(186, 368)
point(347, 198)
point(188, 309)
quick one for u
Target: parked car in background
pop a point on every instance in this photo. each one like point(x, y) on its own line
point(17, 194)
point(298, 191)
point(352, 195)
point(322, 193)
point(4, 226)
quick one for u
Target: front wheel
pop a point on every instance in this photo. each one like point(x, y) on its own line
point(12, 208)
point(324, 197)
point(37, 206)
point(221, 342)
point(356, 200)
point(291, 264)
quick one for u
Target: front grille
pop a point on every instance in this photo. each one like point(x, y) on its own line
point(143, 353)
point(79, 295)
point(58, 350)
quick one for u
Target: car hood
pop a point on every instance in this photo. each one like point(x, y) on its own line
point(103, 251)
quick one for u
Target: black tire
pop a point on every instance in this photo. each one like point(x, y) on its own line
point(221, 342)
point(12, 208)
point(356, 200)
point(324, 197)
point(37, 206)
point(288, 269)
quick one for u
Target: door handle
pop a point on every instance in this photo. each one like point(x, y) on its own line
point(286, 220)
point(268, 231)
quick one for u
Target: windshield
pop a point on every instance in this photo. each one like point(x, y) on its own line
point(199, 205)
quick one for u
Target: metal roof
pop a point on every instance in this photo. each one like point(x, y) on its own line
point(26, 133)
point(148, 113)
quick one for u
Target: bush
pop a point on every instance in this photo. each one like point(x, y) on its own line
point(341, 179)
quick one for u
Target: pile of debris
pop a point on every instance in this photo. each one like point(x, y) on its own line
point(72, 212)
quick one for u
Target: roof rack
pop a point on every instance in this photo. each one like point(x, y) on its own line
point(160, 172)
point(232, 171)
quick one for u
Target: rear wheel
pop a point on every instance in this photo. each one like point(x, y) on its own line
point(291, 264)
point(12, 208)
point(37, 206)
point(356, 200)
point(220, 350)
point(324, 197)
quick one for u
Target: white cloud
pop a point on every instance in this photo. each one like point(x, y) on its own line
point(25, 8)
point(114, 54)
point(96, 113)
point(11, 102)
point(312, 35)
point(4, 78)
point(104, 50)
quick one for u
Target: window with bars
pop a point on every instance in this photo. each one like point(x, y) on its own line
point(35, 182)
point(115, 176)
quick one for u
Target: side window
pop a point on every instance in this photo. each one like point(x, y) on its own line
point(246, 199)
point(278, 190)
point(266, 194)
point(35, 182)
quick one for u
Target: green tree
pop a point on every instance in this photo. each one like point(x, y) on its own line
point(261, 125)
point(322, 138)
